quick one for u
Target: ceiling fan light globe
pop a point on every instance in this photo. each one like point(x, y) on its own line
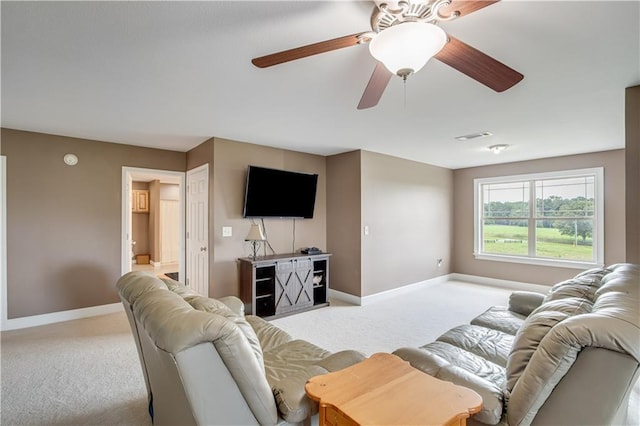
point(408, 45)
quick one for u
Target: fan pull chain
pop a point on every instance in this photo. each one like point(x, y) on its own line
point(404, 84)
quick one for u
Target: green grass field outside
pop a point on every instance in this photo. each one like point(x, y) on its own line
point(505, 239)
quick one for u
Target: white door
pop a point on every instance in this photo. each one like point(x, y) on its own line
point(198, 229)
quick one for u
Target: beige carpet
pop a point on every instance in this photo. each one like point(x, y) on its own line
point(83, 372)
point(87, 372)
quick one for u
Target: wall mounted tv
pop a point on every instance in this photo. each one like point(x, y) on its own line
point(279, 193)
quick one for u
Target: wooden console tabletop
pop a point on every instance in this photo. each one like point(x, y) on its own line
point(385, 390)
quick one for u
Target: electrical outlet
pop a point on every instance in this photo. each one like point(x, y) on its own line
point(227, 231)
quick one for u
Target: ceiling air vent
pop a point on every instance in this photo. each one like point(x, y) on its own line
point(465, 138)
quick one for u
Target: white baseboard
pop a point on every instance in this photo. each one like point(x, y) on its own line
point(367, 300)
point(473, 279)
point(494, 282)
point(345, 297)
point(44, 319)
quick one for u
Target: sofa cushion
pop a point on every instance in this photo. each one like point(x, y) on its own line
point(288, 380)
point(268, 334)
point(583, 285)
point(179, 288)
point(134, 284)
point(500, 318)
point(447, 362)
point(524, 302)
point(290, 358)
point(288, 367)
point(535, 328)
point(235, 304)
point(214, 306)
point(492, 345)
point(468, 361)
point(340, 360)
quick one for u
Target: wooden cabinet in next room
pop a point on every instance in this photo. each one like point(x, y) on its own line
point(140, 201)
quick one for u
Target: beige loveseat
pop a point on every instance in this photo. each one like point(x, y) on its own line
point(569, 357)
point(205, 363)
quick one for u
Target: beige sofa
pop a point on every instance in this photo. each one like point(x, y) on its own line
point(205, 363)
point(570, 357)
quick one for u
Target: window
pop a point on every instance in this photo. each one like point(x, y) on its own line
point(546, 218)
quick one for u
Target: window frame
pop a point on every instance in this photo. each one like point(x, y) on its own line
point(598, 218)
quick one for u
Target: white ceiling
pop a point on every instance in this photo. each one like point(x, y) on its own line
point(173, 74)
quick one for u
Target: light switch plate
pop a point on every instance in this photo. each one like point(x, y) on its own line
point(227, 231)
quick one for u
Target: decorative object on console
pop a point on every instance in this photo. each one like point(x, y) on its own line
point(311, 250)
point(255, 235)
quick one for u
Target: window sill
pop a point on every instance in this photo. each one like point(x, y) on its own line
point(574, 264)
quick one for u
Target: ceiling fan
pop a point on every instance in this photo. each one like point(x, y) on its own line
point(404, 37)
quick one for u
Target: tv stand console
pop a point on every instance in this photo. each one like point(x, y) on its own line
point(284, 284)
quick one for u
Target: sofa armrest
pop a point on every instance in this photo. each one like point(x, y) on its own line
point(524, 302)
point(235, 304)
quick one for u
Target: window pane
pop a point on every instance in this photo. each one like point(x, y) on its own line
point(506, 200)
point(545, 218)
point(504, 239)
point(566, 239)
point(567, 197)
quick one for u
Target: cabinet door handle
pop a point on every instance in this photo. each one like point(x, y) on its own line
point(203, 249)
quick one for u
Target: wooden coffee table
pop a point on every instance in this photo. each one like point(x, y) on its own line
point(385, 390)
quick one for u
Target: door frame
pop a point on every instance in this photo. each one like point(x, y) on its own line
point(136, 173)
point(3, 243)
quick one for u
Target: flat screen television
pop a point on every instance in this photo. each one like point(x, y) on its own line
point(279, 193)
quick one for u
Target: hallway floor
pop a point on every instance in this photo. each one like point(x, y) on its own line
point(160, 270)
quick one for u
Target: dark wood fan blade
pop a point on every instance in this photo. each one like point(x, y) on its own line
point(480, 67)
point(304, 51)
point(465, 7)
point(375, 88)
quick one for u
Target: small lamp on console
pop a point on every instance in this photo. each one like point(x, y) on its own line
point(255, 235)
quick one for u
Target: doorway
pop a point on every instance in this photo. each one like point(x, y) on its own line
point(153, 221)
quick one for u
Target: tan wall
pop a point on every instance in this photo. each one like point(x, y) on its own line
point(632, 154)
point(343, 222)
point(64, 223)
point(229, 179)
point(614, 215)
point(408, 208)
